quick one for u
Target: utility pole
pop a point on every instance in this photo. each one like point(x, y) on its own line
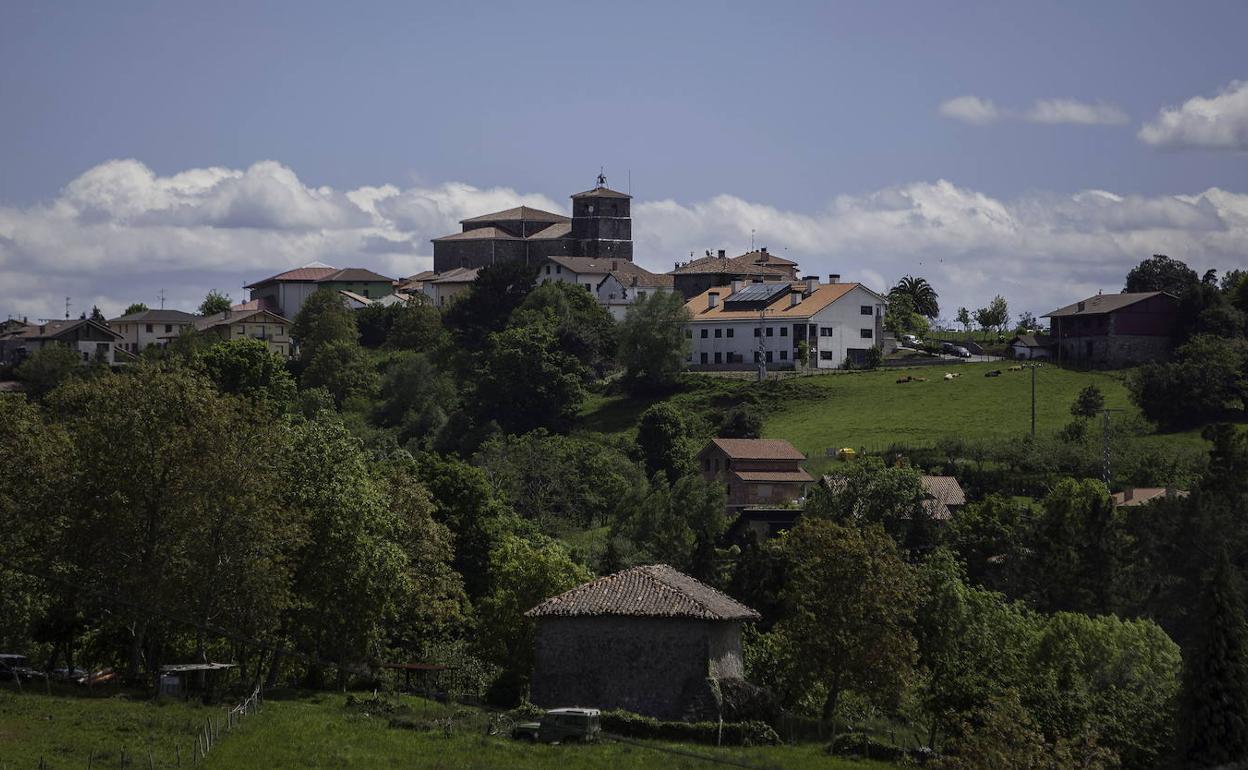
point(1105, 445)
point(162, 299)
point(1033, 401)
point(67, 308)
point(762, 346)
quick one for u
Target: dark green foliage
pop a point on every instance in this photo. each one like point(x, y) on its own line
point(679, 525)
point(869, 492)
point(415, 397)
point(375, 323)
point(525, 381)
point(665, 443)
point(417, 326)
point(214, 302)
point(741, 422)
point(583, 328)
point(341, 367)
point(1076, 549)
point(323, 320)
point(652, 343)
point(247, 367)
point(48, 367)
point(923, 298)
point(753, 733)
point(487, 305)
point(135, 307)
point(988, 536)
point(1161, 273)
point(1215, 687)
point(903, 317)
point(1089, 401)
point(1208, 378)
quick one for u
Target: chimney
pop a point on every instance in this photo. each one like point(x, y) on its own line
point(1128, 494)
point(763, 249)
point(812, 283)
point(615, 265)
point(712, 300)
point(736, 285)
point(834, 277)
point(794, 298)
point(722, 255)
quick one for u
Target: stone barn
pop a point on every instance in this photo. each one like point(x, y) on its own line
point(650, 640)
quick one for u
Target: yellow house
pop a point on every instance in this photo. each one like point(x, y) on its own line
point(260, 324)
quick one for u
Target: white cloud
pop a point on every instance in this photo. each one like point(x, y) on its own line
point(120, 233)
point(977, 111)
point(1076, 112)
point(970, 109)
point(1210, 123)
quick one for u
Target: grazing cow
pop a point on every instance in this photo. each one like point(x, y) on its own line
point(993, 373)
point(920, 379)
point(903, 380)
point(1016, 368)
point(948, 376)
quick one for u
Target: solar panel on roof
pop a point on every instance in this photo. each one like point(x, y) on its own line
point(759, 292)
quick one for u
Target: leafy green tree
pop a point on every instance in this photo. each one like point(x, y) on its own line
point(487, 305)
point(869, 492)
point(583, 327)
point(903, 316)
point(1161, 273)
point(375, 323)
point(1214, 717)
point(343, 368)
point(995, 317)
point(214, 302)
point(323, 320)
point(247, 367)
point(1208, 377)
point(1027, 323)
point(964, 318)
point(653, 345)
point(665, 442)
point(49, 367)
point(417, 326)
point(922, 296)
point(849, 608)
point(741, 422)
point(1076, 547)
point(526, 381)
point(1088, 403)
point(97, 315)
point(415, 397)
point(135, 307)
point(988, 535)
point(680, 525)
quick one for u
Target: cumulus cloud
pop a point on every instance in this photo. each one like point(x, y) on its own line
point(1076, 112)
point(1209, 123)
point(977, 111)
point(121, 233)
point(970, 109)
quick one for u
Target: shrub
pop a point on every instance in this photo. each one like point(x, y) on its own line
point(630, 725)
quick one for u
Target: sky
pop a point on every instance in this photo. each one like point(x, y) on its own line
point(1032, 150)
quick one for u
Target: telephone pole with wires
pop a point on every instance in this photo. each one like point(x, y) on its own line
point(1105, 444)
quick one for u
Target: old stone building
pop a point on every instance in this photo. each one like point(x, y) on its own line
point(650, 640)
point(600, 227)
point(759, 266)
point(1115, 330)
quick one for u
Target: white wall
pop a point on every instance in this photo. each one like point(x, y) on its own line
point(845, 320)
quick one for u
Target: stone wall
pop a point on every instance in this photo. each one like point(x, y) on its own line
point(1113, 351)
point(653, 666)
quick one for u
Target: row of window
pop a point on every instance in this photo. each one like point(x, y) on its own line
point(824, 331)
point(737, 358)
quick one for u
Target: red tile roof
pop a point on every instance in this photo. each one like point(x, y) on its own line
point(799, 476)
point(758, 449)
point(656, 590)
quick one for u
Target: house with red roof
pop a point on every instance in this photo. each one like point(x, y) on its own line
point(285, 293)
point(757, 472)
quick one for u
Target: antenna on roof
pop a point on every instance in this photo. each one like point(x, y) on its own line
point(162, 299)
point(602, 179)
point(630, 181)
point(751, 239)
point(67, 308)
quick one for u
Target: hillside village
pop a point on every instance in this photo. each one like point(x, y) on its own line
point(541, 476)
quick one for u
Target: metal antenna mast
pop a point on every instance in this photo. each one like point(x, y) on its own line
point(67, 308)
point(162, 299)
point(761, 353)
point(1105, 444)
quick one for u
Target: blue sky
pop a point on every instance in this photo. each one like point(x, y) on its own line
point(185, 146)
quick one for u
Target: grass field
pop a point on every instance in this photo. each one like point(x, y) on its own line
point(317, 731)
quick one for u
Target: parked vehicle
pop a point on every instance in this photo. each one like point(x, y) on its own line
point(13, 666)
point(910, 340)
point(566, 725)
point(960, 352)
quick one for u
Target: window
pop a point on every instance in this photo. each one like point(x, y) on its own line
point(757, 356)
point(784, 355)
point(704, 334)
point(719, 358)
point(770, 331)
point(548, 270)
point(729, 332)
point(148, 328)
point(866, 334)
point(865, 310)
point(703, 358)
point(589, 287)
point(825, 355)
point(768, 356)
point(280, 330)
point(558, 269)
point(688, 333)
point(758, 332)
point(641, 294)
point(168, 328)
point(719, 333)
point(825, 331)
point(784, 331)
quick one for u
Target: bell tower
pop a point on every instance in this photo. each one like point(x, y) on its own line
point(602, 223)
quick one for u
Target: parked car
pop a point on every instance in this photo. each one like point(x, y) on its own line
point(910, 340)
point(960, 352)
point(13, 666)
point(566, 725)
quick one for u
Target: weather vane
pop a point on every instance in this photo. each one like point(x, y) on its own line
point(602, 179)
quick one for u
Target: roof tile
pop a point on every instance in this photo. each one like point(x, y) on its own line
point(656, 591)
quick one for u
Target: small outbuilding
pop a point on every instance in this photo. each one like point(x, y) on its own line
point(650, 640)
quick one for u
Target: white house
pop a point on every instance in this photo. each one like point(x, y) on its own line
point(615, 283)
point(445, 286)
point(91, 340)
point(734, 326)
point(1029, 346)
point(150, 327)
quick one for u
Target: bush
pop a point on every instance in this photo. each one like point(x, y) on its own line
point(630, 725)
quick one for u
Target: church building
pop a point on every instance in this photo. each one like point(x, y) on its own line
point(601, 227)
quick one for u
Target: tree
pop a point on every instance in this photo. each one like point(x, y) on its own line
point(1077, 548)
point(97, 315)
point(869, 492)
point(487, 305)
point(1088, 403)
point(741, 422)
point(653, 344)
point(1161, 273)
point(1027, 323)
point(921, 294)
point(323, 320)
point(583, 326)
point(1214, 717)
point(214, 302)
point(375, 323)
point(1208, 376)
point(526, 381)
point(849, 606)
point(247, 367)
point(343, 368)
point(994, 317)
point(902, 316)
point(417, 326)
point(415, 397)
point(665, 442)
point(48, 367)
point(680, 525)
point(135, 307)
point(964, 318)
point(988, 535)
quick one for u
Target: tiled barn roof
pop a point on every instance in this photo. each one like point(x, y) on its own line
point(655, 591)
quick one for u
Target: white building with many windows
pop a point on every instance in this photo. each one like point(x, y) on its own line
point(615, 283)
point(735, 326)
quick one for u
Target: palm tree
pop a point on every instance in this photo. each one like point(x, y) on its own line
point(921, 292)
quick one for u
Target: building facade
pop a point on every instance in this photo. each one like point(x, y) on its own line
point(284, 294)
point(738, 325)
point(649, 640)
point(600, 228)
point(755, 472)
point(150, 327)
point(615, 283)
point(1114, 330)
point(696, 276)
point(257, 324)
point(91, 340)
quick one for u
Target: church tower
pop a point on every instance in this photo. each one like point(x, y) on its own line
point(602, 223)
